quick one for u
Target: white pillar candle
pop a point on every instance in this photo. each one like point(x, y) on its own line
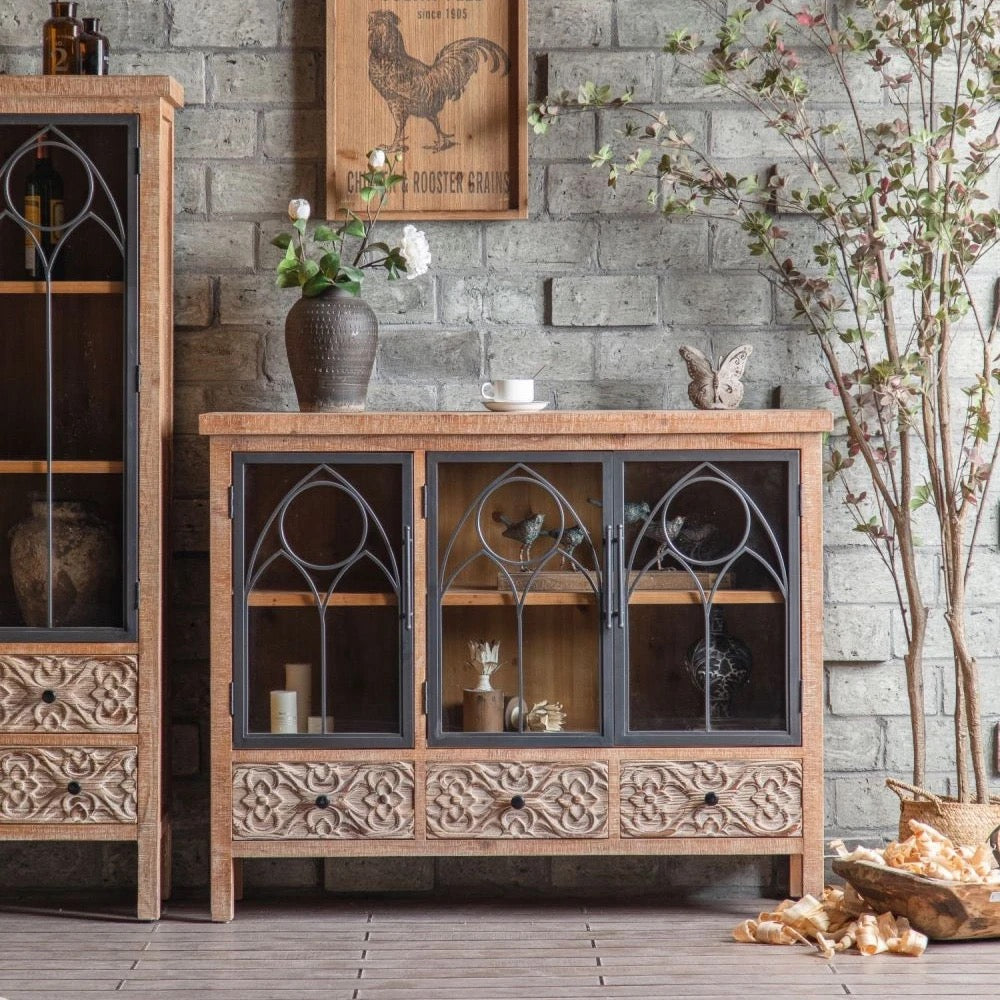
point(283, 712)
point(316, 724)
point(298, 678)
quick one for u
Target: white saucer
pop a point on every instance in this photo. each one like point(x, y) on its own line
point(502, 407)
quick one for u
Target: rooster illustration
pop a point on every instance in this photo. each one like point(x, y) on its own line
point(413, 89)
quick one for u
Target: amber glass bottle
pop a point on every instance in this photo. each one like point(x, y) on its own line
point(60, 35)
point(95, 51)
point(43, 206)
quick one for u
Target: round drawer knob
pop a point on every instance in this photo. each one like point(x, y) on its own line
point(711, 799)
point(322, 801)
point(73, 788)
point(517, 802)
point(48, 697)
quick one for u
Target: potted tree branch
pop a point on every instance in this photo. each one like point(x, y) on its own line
point(891, 287)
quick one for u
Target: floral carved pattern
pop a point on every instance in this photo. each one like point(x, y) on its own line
point(322, 801)
point(68, 694)
point(68, 785)
point(511, 801)
point(745, 799)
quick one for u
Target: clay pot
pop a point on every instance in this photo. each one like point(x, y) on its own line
point(331, 342)
point(86, 582)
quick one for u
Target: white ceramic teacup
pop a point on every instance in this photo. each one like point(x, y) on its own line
point(510, 390)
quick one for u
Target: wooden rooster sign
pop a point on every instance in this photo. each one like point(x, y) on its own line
point(439, 83)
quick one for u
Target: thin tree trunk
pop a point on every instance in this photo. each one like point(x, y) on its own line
point(913, 659)
point(966, 673)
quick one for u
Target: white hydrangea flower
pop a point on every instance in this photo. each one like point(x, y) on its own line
point(376, 159)
point(415, 251)
point(298, 208)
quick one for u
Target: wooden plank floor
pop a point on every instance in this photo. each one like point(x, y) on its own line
point(410, 950)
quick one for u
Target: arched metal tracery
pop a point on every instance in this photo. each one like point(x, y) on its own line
point(323, 579)
point(529, 570)
point(121, 233)
point(656, 527)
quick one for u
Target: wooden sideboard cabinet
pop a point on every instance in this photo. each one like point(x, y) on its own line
point(86, 258)
point(487, 634)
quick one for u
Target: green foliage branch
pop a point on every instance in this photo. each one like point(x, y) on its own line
point(904, 224)
point(320, 261)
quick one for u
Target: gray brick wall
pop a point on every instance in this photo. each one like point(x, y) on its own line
point(594, 286)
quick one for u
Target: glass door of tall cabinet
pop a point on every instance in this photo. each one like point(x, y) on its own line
point(517, 600)
point(323, 600)
point(708, 551)
point(68, 377)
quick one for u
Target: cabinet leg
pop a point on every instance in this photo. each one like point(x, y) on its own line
point(222, 888)
point(795, 876)
point(813, 872)
point(805, 874)
point(148, 847)
point(238, 878)
point(167, 860)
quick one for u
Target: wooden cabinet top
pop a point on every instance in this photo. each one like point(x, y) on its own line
point(98, 88)
point(557, 423)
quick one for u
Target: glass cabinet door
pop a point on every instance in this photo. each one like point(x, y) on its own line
point(68, 377)
point(707, 559)
point(517, 602)
point(323, 600)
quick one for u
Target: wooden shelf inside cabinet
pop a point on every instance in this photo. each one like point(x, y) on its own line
point(304, 599)
point(470, 597)
point(693, 597)
point(60, 467)
point(62, 287)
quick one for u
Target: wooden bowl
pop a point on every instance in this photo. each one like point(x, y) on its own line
point(944, 911)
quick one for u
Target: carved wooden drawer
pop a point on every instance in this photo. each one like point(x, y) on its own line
point(67, 785)
point(68, 694)
point(711, 799)
point(322, 801)
point(517, 801)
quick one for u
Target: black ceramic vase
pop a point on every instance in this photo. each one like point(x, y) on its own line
point(729, 665)
point(331, 341)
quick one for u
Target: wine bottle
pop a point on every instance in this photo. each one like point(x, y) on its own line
point(95, 51)
point(60, 34)
point(43, 207)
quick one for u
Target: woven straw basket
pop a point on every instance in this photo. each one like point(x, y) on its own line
point(960, 822)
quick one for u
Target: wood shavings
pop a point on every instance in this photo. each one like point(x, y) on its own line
point(931, 855)
point(840, 919)
point(830, 927)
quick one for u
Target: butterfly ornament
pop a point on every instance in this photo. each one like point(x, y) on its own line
point(716, 388)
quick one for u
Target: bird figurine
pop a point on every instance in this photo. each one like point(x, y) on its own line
point(690, 538)
point(657, 534)
point(525, 531)
point(716, 388)
point(635, 510)
point(569, 539)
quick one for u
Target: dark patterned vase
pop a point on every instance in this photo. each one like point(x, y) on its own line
point(729, 665)
point(86, 583)
point(331, 341)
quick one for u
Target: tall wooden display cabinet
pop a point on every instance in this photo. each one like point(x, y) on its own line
point(86, 225)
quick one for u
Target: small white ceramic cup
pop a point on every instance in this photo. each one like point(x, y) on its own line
point(510, 390)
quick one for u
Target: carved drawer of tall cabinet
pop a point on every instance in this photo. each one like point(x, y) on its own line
point(68, 694)
point(711, 799)
point(68, 785)
point(517, 801)
point(322, 801)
